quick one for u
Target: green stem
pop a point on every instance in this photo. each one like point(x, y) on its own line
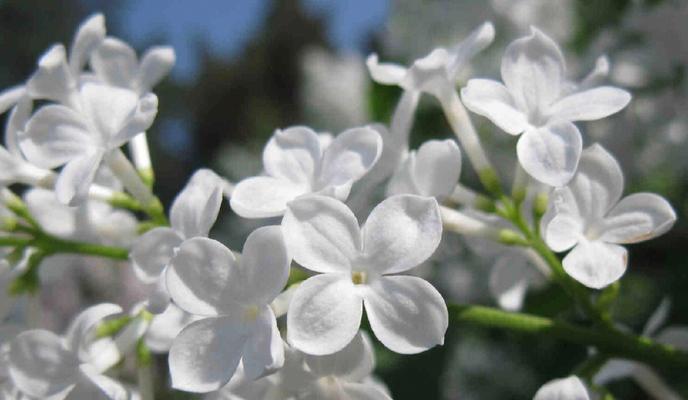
point(53, 245)
point(611, 343)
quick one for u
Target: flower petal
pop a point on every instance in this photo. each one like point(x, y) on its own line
point(533, 69)
point(570, 388)
point(324, 314)
point(350, 156)
point(53, 217)
point(195, 208)
point(16, 124)
point(261, 275)
point(199, 276)
point(596, 264)
point(293, 154)
point(406, 313)
point(10, 97)
point(95, 386)
point(598, 184)
point(39, 364)
point(55, 135)
point(550, 154)
point(115, 62)
point(321, 233)
point(385, 73)
point(401, 232)
point(363, 391)
point(89, 35)
point(152, 252)
point(206, 353)
point(638, 217)
point(563, 232)
point(613, 370)
point(492, 100)
point(71, 186)
point(438, 166)
point(510, 278)
point(590, 104)
point(156, 63)
point(354, 362)
point(264, 350)
point(403, 181)
point(109, 108)
point(53, 80)
point(139, 121)
point(477, 41)
point(80, 329)
point(264, 196)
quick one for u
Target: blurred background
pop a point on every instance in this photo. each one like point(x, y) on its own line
point(247, 67)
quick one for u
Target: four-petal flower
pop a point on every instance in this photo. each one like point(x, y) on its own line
point(406, 313)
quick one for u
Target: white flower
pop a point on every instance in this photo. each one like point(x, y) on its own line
point(115, 63)
point(644, 376)
point(512, 274)
point(589, 216)
point(295, 164)
point(432, 170)
point(406, 313)
point(192, 214)
point(164, 327)
point(535, 100)
point(42, 364)
point(206, 279)
point(437, 72)
point(570, 388)
point(80, 139)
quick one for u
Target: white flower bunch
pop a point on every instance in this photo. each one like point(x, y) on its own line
point(220, 314)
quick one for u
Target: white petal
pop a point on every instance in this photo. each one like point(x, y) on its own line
point(55, 135)
point(139, 121)
point(53, 217)
point(152, 252)
point(80, 329)
point(156, 63)
point(115, 62)
point(533, 69)
point(158, 295)
point(385, 73)
point(363, 391)
point(89, 35)
point(206, 353)
point(109, 108)
point(199, 276)
point(492, 100)
point(437, 169)
point(293, 154)
point(324, 314)
point(321, 233)
point(570, 388)
point(74, 181)
point(590, 104)
point(39, 365)
point(598, 184)
point(563, 232)
point(676, 336)
point(477, 41)
point(263, 196)
point(165, 327)
point(596, 264)
point(550, 154)
point(353, 363)
point(406, 313)
point(261, 275)
point(658, 318)
point(195, 208)
point(613, 370)
point(53, 80)
point(349, 157)
point(16, 123)
point(638, 217)
point(10, 97)
point(401, 232)
point(264, 350)
point(430, 74)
